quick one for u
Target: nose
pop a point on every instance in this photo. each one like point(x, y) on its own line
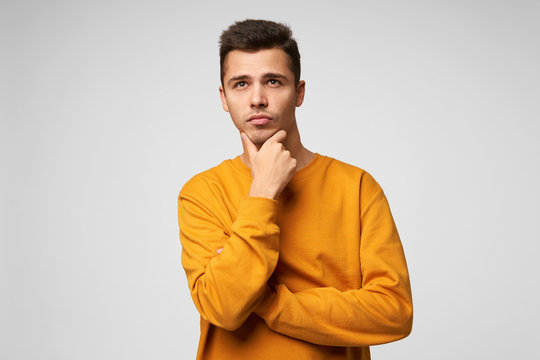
point(258, 97)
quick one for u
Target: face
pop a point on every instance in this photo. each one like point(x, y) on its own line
point(259, 93)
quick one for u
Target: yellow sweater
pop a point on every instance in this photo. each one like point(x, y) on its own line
point(318, 274)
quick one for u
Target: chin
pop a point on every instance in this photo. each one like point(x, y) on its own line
point(259, 137)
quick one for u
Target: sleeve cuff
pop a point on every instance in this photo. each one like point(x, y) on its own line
point(260, 209)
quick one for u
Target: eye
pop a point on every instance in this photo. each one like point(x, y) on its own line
point(240, 84)
point(274, 82)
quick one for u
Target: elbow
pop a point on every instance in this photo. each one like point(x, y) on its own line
point(224, 310)
point(230, 318)
point(406, 323)
point(400, 314)
point(403, 320)
point(230, 323)
point(396, 319)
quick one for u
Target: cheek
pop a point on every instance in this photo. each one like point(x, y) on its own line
point(232, 105)
point(236, 104)
point(236, 113)
point(288, 103)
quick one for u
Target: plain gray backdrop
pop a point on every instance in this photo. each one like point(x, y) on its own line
point(108, 107)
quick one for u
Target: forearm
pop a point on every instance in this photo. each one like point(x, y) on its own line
point(378, 311)
point(226, 287)
point(327, 316)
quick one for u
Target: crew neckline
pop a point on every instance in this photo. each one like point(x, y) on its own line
point(301, 174)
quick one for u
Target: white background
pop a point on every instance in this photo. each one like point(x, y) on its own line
point(108, 107)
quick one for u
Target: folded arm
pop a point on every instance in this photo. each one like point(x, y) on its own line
point(378, 312)
point(226, 287)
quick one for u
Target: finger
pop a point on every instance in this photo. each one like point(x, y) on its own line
point(280, 136)
point(249, 148)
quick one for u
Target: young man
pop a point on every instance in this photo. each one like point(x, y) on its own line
point(289, 254)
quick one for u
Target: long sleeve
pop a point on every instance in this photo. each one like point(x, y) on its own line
point(226, 287)
point(379, 311)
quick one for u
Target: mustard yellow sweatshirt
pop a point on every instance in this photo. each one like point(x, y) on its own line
point(318, 274)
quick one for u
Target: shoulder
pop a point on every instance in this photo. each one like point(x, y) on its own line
point(203, 182)
point(352, 177)
point(346, 171)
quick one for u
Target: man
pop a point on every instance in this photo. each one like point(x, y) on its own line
point(289, 254)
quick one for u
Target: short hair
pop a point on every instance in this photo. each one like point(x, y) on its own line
point(252, 35)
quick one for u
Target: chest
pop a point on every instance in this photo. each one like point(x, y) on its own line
point(319, 238)
point(319, 233)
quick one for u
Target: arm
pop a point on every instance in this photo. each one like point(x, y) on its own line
point(379, 312)
point(226, 287)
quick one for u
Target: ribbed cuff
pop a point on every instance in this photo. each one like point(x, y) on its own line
point(260, 209)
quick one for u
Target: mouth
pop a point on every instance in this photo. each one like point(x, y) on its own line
point(259, 119)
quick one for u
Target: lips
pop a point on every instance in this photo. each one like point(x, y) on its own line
point(259, 119)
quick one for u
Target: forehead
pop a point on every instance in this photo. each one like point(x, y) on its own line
point(258, 62)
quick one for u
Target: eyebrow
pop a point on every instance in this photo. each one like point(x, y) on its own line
point(238, 78)
point(265, 76)
point(274, 75)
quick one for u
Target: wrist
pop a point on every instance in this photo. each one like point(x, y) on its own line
point(262, 191)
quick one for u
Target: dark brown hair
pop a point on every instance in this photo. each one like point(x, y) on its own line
point(252, 35)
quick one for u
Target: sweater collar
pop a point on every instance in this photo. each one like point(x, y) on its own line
point(303, 173)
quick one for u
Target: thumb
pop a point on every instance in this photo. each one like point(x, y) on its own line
point(249, 148)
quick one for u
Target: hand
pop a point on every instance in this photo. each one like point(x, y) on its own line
point(272, 166)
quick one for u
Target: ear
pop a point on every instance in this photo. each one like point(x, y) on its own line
point(223, 99)
point(300, 91)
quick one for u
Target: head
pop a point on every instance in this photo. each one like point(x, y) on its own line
point(252, 35)
point(260, 81)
